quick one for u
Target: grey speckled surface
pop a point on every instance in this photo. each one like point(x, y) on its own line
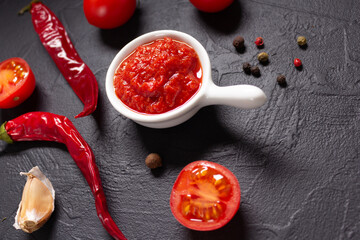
point(296, 158)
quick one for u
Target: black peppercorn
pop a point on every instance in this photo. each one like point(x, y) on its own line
point(255, 71)
point(153, 160)
point(281, 79)
point(239, 42)
point(247, 68)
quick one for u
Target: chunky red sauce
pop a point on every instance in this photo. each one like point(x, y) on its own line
point(158, 77)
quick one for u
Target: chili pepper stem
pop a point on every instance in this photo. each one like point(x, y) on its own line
point(3, 134)
point(27, 7)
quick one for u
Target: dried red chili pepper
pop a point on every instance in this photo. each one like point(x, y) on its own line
point(43, 126)
point(58, 44)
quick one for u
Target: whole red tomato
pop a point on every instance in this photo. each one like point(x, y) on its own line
point(108, 13)
point(205, 196)
point(211, 5)
point(17, 82)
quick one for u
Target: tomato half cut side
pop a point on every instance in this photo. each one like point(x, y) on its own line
point(205, 196)
point(17, 82)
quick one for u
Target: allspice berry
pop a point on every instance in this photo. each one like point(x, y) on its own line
point(281, 79)
point(255, 71)
point(153, 160)
point(301, 40)
point(239, 42)
point(247, 67)
point(263, 57)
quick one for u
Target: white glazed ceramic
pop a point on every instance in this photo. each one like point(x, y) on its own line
point(241, 96)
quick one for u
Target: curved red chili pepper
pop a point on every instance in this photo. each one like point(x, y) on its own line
point(43, 126)
point(58, 44)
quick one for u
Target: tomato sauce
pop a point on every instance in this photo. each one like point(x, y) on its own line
point(158, 77)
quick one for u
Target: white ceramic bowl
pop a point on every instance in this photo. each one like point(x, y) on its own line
point(241, 96)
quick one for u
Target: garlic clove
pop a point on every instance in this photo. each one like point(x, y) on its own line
point(37, 203)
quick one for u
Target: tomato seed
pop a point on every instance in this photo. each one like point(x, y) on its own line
point(193, 210)
point(215, 212)
point(222, 187)
point(186, 208)
point(207, 215)
point(204, 172)
point(218, 182)
point(201, 212)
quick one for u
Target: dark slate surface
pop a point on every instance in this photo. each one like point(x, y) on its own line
point(296, 158)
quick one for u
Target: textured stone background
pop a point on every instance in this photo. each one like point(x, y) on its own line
point(296, 158)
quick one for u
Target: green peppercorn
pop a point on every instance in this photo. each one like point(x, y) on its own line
point(153, 160)
point(247, 68)
point(281, 79)
point(255, 71)
point(239, 42)
point(301, 40)
point(263, 57)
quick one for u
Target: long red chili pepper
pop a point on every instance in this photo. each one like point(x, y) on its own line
point(58, 44)
point(45, 126)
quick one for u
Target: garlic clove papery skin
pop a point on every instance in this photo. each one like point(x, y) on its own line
point(37, 203)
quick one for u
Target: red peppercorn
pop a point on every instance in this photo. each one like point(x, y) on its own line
point(297, 62)
point(259, 41)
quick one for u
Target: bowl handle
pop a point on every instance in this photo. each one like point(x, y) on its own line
point(241, 96)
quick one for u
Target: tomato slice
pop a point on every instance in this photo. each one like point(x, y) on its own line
point(205, 196)
point(17, 82)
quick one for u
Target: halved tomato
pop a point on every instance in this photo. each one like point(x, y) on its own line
point(17, 82)
point(205, 196)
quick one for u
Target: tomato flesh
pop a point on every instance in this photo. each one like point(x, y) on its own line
point(205, 196)
point(17, 82)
